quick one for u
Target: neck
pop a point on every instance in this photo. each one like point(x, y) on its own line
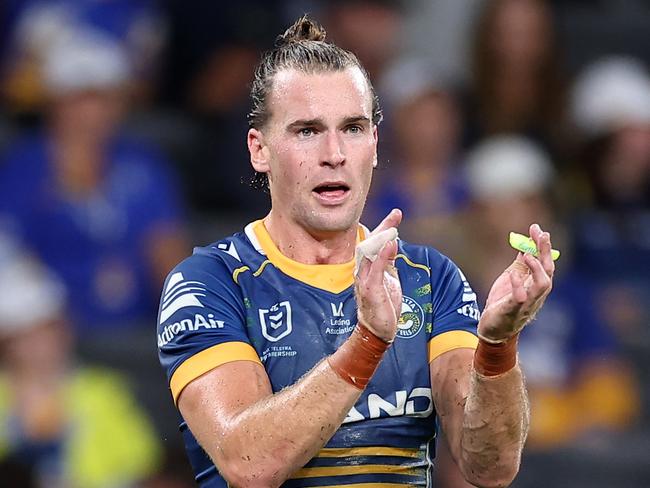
point(308, 246)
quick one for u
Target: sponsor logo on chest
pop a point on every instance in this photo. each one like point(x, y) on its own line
point(338, 322)
point(414, 403)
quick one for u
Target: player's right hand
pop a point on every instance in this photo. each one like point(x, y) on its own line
point(377, 287)
point(519, 292)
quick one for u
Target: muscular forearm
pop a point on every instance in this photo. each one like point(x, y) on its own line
point(263, 441)
point(494, 429)
point(276, 436)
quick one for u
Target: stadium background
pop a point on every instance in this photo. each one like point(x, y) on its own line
point(496, 112)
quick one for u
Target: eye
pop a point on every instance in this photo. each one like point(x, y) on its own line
point(306, 132)
point(354, 129)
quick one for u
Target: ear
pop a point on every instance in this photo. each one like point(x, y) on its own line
point(375, 135)
point(258, 150)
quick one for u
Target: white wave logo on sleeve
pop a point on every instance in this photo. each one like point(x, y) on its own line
point(468, 293)
point(180, 294)
point(469, 308)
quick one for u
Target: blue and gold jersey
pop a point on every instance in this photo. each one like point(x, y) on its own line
point(241, 299)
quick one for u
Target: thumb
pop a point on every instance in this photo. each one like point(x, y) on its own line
point(393, 219)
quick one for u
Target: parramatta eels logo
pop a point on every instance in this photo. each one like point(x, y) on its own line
point(411, 319)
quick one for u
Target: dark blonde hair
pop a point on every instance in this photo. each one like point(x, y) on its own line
point(302, 47)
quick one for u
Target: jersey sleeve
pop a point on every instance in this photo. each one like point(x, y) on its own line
point(455, 311)
point(201, 322)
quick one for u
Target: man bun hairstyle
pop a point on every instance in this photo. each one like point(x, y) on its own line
point(304, 29)
point(301, 47)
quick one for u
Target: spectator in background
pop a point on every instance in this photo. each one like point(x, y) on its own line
point(375, 44)
point(422, 179)
point(98, 208)
point(68, 425)
point(517, 84)
point(579, 386)
point(36, 24)
point(611, 110)
point(209, 64)
point(577, 381)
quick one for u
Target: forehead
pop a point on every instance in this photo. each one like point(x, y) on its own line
point(328, 95)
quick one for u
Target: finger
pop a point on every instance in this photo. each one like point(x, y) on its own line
point(544, 245)
point(373, 244)
point(380, 265)
point(391, 250)
point(534, 231)
point(364, 270)
point(393, 219)
point(519, 294)
point(541, 280)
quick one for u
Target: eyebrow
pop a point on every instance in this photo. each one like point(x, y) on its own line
point(355, 119)
point(318, 122)
point(296, 124)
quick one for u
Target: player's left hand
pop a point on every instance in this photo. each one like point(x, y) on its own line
point(519, 292)
point(377, 287)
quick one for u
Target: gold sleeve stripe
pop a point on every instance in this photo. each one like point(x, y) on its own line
point(358, 469)
point(412, 264)
point(368, 451)
point(207, 360)
point(454, 339)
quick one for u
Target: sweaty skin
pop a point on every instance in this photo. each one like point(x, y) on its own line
point(321, 132)
point(243, 426)
point(486, 419)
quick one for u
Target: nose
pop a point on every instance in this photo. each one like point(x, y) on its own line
point(333, 150)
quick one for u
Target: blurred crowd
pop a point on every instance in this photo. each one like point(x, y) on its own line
point(122, 144)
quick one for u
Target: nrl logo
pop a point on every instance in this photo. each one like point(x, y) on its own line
point(276, 321)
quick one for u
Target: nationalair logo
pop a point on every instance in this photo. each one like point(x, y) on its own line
point(168, 332)
point(276, 321)
point(180, 294)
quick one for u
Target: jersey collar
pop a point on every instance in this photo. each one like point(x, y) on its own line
point(334, 278)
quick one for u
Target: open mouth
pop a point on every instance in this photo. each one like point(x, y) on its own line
point(332, 191)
